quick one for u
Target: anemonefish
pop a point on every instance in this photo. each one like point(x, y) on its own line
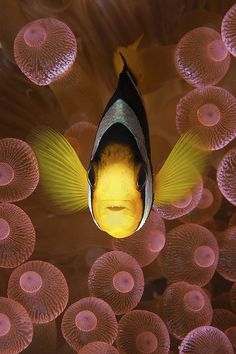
point(119, 187)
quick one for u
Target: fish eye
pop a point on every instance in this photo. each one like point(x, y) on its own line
point(91, 176)
point(142, 178)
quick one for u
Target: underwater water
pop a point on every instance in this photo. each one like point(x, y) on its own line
point(66, 286)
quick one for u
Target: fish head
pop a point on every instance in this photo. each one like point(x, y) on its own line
point(117, 201)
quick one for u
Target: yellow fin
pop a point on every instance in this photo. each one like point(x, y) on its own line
point(135, 45)
point(63, 179)
point(180, 172)
point(131, 56)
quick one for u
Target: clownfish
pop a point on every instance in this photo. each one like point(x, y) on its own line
point(119, 186)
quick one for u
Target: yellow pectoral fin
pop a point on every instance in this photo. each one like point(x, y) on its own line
point(180, 172)
point(63, 179)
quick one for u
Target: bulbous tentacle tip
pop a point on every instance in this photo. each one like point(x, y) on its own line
point(17, 236)
point(141, 331)
point(124, 279)
point(201, 57)
point(19, 173)
point(204, 339)
point(226, 172)
point(39, 285)
point(87, 321)
point(16, 328)
point(212, 111)
point(44, 50)
point(35, 35)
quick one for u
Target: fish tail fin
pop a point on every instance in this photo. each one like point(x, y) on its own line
point(63, 179)
point(181, 171)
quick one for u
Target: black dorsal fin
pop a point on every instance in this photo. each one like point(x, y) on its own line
point(128, 92)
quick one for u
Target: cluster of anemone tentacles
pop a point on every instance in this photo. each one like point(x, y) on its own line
point(66, 286)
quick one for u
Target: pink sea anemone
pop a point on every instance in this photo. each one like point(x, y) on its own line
point(190, 254)
point(227, 259)
point(201, 57)
point(145, 244)
point(19, 174)
point(183, 206)
point(204, 340)
point(45, 49)
point(16, 329)
point(226, 173)
point(17, 236)
point(142, 332)
point(117, 278)
point(212, 112)
point(41, 288)
point(184, 307)
point(89, 320)
point(228, 28)
point(209, 203)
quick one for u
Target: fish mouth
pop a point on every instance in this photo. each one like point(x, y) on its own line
point(116, 208)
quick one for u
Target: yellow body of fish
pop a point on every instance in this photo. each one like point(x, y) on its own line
point(117, 204)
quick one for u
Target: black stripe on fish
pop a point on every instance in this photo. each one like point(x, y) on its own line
point(118, 133)
point(128, 92)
